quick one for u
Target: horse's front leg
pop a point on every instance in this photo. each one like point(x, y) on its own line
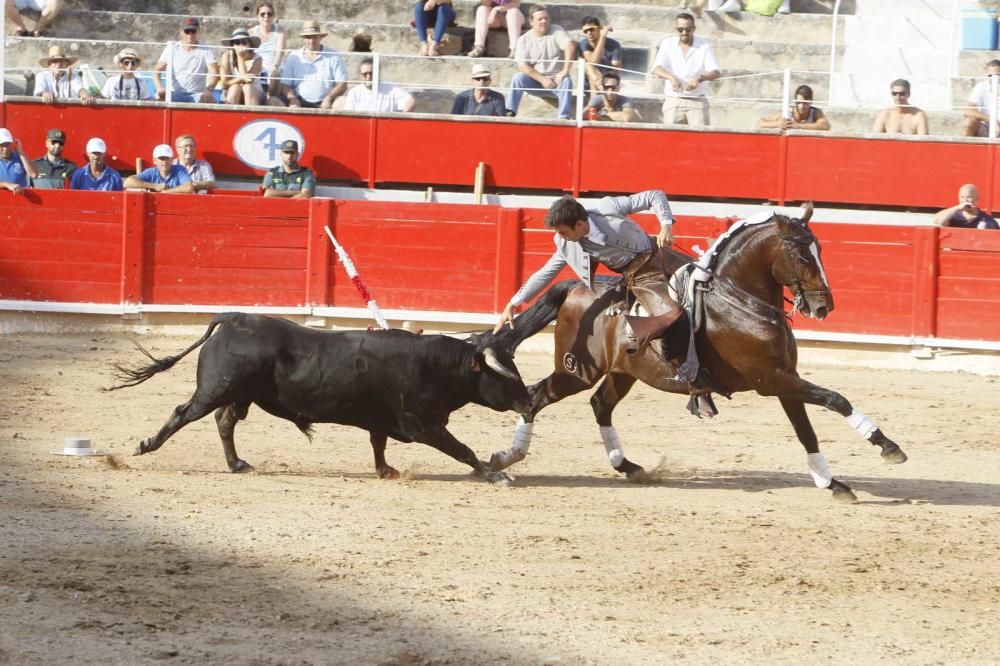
point(797, 389)
point(818, 466)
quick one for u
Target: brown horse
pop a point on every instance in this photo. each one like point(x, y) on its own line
point(745, 342)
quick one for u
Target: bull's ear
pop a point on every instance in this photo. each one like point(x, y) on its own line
point(477, 362)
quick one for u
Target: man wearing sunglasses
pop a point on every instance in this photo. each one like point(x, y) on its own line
point(125, 84)
point(609, 105)
point(480, 100)
point(194, 68)
point(51, 169)
point(603, 54)
point(686, 63)
point(902, 117)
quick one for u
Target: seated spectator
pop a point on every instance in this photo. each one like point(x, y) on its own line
point(58, 81)
point(52, 171)
point(48, 10)
point(686, 63)
point(165, 176)
point(765, 7)
point(436, 13)
point(977, 118)
point(96, 175)
point(803, 114)
point(201, 173)
point(901, 117)
point(272, 45)
point(289, 180)
point(194, 68)
point(544, 55)
point(966, 214)
point(14, 168)
point(610, 105)
point(389, 98)
point(125, 85)
point(240, 68)
point(602, 53)
point(480, 100)
point(314, 75)
point(496, 14)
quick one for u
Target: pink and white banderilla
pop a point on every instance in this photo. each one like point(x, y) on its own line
point(352, 273)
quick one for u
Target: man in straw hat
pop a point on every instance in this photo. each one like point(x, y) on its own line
point(125, 85)
point(58, 81)
point(314, 75)
point(194, 69)
point(480, 100)
point(47, 9)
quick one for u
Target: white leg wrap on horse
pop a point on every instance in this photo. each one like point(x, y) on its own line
point(519, 450)
point(864, 425)
point(820, 470)
point(612, 445)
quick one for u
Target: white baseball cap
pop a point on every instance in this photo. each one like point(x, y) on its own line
point(5, 136)
point(96, 145)
point(163, 150)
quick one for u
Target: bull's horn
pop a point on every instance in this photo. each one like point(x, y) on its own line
point(491, 360)
point(807, 212)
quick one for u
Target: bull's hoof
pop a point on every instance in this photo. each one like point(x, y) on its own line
point(891, 453)
point(387, 472)
point(498, 478)
point(842, 492)
point(240, 467)
point(629, 469)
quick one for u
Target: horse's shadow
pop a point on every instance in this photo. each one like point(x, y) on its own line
point(882, 490)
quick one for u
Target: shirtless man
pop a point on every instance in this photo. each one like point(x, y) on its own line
point(902, 117)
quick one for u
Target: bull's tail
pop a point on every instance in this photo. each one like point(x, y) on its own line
point(125, 377)
point(538, 316)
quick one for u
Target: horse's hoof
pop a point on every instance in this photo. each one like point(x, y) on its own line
point(499, 478)
point(240, 467)
point(504, 459)
point(629, 469)
point(842, 492)
point(894, 455)
point(388, 472)
point(139, 450)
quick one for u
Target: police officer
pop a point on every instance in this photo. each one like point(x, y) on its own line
point(51, 168)
point(289, 179)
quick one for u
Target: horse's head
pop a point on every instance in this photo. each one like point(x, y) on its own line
point(799, 265)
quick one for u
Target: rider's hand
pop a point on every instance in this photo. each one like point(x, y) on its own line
point(666, 236)
point(506, 317)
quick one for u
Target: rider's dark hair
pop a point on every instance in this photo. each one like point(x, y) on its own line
point(565, 212)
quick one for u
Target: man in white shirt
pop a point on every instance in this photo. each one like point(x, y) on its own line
point(59, 81)
point(544, 55)
point(194, 68)
point(388, 99)
point(686, 62)
point(313, 76)
point(202, 176)
point(977, 117)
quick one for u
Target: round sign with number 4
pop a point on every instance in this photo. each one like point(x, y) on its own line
point(258, 143)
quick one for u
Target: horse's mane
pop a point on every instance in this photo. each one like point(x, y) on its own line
point(706, 265)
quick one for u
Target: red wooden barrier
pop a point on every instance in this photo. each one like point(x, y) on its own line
point(434, 151)
point(185, 251)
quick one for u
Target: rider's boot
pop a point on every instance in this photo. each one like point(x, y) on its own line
point(647, 329)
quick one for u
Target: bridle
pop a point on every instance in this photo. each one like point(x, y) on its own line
point(791, 244)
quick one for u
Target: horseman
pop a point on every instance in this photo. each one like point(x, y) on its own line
point(606, 235)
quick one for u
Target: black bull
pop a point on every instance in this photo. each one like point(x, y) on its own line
point(390, 383)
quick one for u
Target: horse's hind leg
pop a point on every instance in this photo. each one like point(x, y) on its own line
point(552, 389)
point(818, 466)
point(226, 419)
point(190, 411)
point(803, 391)
point(605, 399)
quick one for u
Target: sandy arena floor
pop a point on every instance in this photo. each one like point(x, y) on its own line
point(731, 557)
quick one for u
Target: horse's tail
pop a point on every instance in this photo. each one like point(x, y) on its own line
point(538, 316)
point(125, 377)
